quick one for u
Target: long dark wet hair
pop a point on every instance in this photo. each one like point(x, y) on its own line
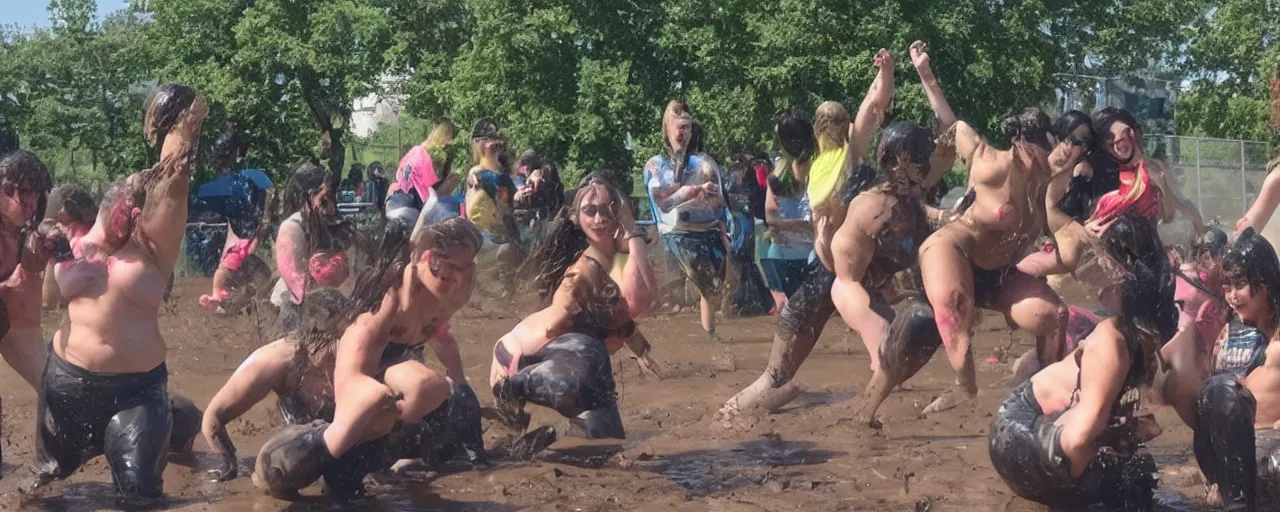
point(323, 233)
point(1148, 315)
point(1253, 259)
point(565, 240)
point(162, 110)
point(24, 171)
point(1102, 121)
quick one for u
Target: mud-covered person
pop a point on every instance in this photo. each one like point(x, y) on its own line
point(594, 274)
point(380, 383)
point(310, 244)
point(1236, 413)
point(241, 274)
point(969, 264)
point(685, 185)
point(104, 388)
point(24, 185)
point(73, 211)
point(1069, 437)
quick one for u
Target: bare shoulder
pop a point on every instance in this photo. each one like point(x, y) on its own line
point(870, 211)
point(1107, 340)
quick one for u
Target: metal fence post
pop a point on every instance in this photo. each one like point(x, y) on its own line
point(1244, 191)
point(1199, 182)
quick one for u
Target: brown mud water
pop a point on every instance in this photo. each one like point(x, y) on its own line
point(813, 455)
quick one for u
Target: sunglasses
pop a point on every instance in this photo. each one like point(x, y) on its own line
point(591, 210)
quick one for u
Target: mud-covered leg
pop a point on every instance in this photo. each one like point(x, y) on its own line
point(913, 339)
point(186, 423)
point(136, 444)
point(573, 375)
point(948, 283)
point(799, 327)
point(1224, 441)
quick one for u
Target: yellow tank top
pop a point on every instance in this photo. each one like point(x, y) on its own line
point(826, 174)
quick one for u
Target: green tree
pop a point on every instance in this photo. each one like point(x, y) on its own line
point(1232, 59)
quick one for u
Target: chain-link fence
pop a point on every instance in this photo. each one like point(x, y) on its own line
point(1220, 176)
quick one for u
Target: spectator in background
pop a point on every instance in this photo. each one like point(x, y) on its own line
point(353, 186)
point(239, 199)
point(377, 187)
point(426, 167)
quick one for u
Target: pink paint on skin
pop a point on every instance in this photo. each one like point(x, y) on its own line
point(1080, 323)
point(1004, 211)
point(236, 254)
point(329, 270)
point(947, 322)
point(208, 301)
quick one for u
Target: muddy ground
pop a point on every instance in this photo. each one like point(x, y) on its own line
point(811, 456)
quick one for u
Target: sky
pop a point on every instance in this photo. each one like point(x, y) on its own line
point(28, 13)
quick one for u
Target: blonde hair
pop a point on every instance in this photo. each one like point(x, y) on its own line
point(831, 125)
point(440, 136)
point(675, 110)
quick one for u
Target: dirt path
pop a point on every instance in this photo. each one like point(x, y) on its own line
point(812, 456)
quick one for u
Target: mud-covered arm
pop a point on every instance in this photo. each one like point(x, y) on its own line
point(964, 141)
point(361, 347)
point(1104, 365)
point(445, 345)
point(164, 216)
point(711, 190)
point(1264, 206)
point(291, 258)
point(932, 89)
point(259, 374)
point(854, 245)
point(1172, 199)
point(874, 105)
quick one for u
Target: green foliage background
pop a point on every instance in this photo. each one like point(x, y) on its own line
point(578, 79)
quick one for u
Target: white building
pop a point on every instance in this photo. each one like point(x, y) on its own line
point(376, 109)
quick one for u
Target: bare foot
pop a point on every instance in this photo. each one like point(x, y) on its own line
point(949, 400)
point(1212, 497)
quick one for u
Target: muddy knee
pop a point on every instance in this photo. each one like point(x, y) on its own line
point(186, 423)
point(913, 340)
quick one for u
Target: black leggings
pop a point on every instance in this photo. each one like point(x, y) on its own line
point(573, 375)
point(1243, 462)
point(127, 417)
point(1026, 451)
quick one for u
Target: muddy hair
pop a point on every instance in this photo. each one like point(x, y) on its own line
point(1253, 259)
point(385, 271)
point(76, 201)
point(445, 236)
point(1148, 316)
point(831, 125)
point(322, 234)
point(565, 240)
point(1103, 119)
point(26, 171)
point(1030, 126)
point(905, 149)
point(323, 316)
point(1212, 244)
point(9, 140)
point(163, 108)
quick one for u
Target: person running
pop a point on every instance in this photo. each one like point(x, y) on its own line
point(310, 244)
point(380, 385)
point(1068, 437)
point(594, 273)
point(104, 386)
point(684, 185)
point(245, 196)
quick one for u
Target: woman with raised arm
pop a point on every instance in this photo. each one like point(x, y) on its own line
point(1068, 437)
point(104, 389)
point(970, 263)
point(833, 180)
point(593, 272)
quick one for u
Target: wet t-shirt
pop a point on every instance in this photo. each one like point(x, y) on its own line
point(1244, 349)
point(692, 215)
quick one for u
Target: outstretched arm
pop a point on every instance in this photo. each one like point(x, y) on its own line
point(874, 105)
point(164, 215)
point(257, 376)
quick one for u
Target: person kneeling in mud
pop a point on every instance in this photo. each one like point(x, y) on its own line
point(1236, 413)
point(559, 357)
point(103, 390)
point(381, 387)
point(1069, 437)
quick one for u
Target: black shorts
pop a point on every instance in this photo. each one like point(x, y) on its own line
point(574, 376)
point(987, 284)
point(126, 416)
